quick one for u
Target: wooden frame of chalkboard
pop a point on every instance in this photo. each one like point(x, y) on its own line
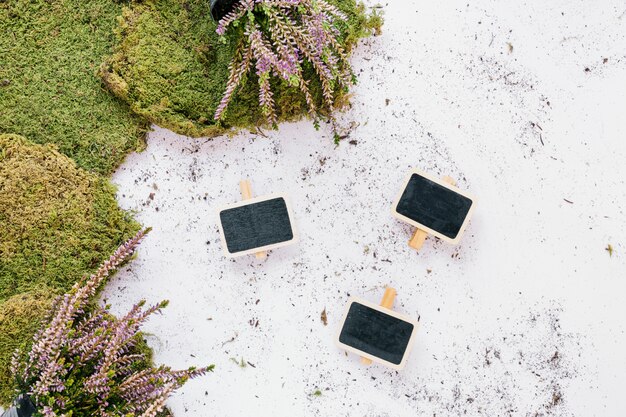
point(444, 184)
point(252, 201)
point(398, 365)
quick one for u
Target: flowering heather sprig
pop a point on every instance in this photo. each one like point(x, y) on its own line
point(239, 66)
point(277, 37)
point(83, 360)
point(48, 341)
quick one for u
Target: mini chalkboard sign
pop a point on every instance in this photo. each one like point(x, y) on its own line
point(434, 206)
point(376, 332)
point(256, 225)
point(220, 8)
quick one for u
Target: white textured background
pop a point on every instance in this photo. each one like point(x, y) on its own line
point(526, 317)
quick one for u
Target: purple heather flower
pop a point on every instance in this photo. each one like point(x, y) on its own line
point(48, 412)
point(94, 350)
point(297, 30)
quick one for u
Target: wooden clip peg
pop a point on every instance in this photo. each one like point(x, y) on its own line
point(448, 179)
point(419, 236)
point(418, 239)
point(387, 301)
point(246, 194)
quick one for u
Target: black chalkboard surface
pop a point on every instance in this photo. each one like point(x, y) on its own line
point(376, 331)
point(429, 204)
point(257, 224)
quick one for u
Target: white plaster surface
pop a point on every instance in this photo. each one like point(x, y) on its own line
point(526, 317)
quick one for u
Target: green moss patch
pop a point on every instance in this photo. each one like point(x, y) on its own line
point(57, 223)
point(171, 68)
point(50, 51)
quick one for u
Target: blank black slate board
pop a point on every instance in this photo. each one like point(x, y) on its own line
point(256, 225)
point(434, 206)
point(376, 333)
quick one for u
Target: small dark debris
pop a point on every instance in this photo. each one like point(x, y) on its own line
point(324, 317)
point(557, 397)
point(555, 357)
point(232, 339)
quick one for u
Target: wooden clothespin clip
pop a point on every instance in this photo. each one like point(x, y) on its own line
point(419, 236)
point(246, 194)
point(387, 302)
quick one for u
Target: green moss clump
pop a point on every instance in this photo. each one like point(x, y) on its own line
point(171, 68)
point(164, 68)
point(57, 223)
point(50, 51)
point(20, 316)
